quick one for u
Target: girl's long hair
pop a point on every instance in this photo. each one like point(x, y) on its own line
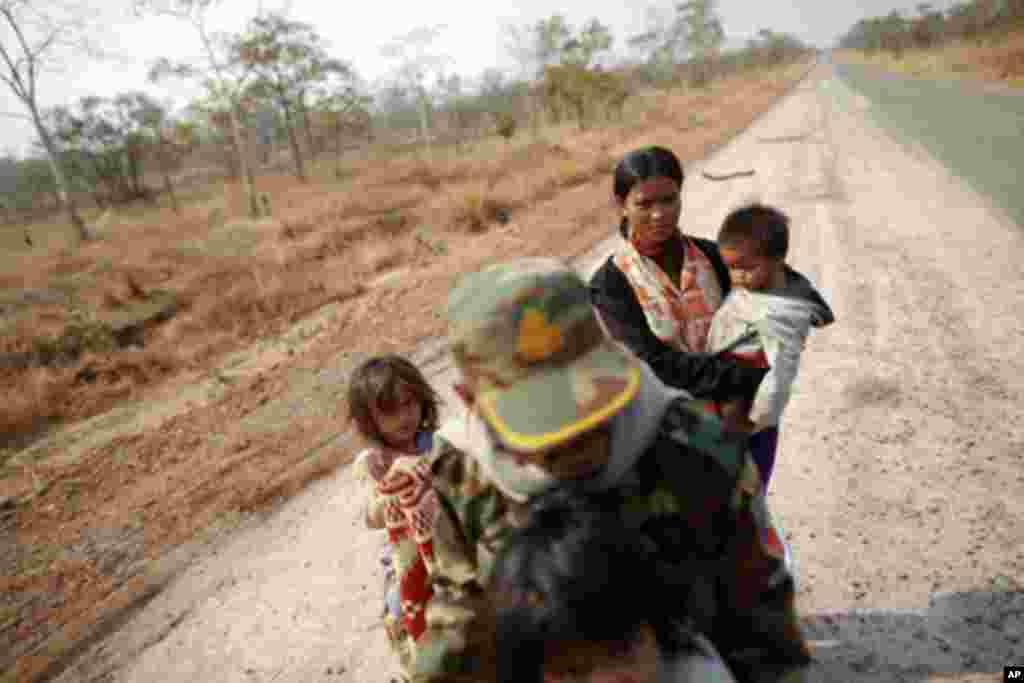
point(376, 382)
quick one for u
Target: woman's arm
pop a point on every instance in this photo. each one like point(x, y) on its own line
point(704, 375)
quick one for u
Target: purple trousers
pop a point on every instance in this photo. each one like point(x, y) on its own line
point(762, 451)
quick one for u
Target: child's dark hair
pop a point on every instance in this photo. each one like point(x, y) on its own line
point(643, 164)
point(375, 383)
point(765, 227)
point(575, 573)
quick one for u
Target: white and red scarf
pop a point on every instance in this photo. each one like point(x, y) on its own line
point(678, 316)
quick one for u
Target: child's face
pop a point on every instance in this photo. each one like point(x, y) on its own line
point(748, 269)
point(399, 421)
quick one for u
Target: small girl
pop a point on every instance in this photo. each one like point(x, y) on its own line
point(395, 410)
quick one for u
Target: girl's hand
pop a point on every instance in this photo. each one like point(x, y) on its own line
point(375, 517)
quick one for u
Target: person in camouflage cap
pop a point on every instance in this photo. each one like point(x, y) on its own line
point(532, 352)
point(560, 405)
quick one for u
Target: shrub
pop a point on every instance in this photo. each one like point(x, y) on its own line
point(505, 125)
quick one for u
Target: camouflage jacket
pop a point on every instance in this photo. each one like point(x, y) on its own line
point(692, 492)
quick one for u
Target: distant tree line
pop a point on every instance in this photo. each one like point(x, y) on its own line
point(895, 31)
point(273, 94)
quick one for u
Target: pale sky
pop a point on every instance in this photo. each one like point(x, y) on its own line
point(471, 38)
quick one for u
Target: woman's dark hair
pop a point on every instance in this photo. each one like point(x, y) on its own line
point(375, 383)
point(643, 164)
point(574, 572)
point(765, 227)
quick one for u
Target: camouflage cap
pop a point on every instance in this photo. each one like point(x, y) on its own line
point(530, 348)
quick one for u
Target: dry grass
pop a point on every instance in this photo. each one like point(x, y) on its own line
point(38, 400)
point(474, 208)
point(238, 282)
point(998, 59)
point(264, 273)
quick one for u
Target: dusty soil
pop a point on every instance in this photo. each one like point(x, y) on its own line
point(900, 464)
point(99, 516)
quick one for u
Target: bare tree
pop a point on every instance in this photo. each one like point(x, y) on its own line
point(550, 36)
point(289, 59)
point(103, 141)
point(565, 57)
point(559, 58)
point(168, 140)
point(519, 44)
point(589, 42)
point(344, 118)
point(662, 43)
point(416, 63)
point(224, 78)
point(35, 31)
point(463, 111)
point(544, 43)
point(342, 109)
point(704, 35)
point(115, 136)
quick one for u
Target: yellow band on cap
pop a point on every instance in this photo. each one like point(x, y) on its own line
point(533, 443)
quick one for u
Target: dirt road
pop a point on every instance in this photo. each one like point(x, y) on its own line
point(901, 465)
point(977, 129)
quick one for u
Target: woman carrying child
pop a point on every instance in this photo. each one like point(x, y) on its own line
point(395, 410)
point(662, 293)
point(658, 292)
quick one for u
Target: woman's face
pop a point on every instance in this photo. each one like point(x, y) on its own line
point(634, 660)
point(652, 210)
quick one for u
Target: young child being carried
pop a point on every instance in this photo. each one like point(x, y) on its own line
point(395, 411)
point(764, 322)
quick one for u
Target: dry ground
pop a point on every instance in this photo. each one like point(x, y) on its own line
point(81, 525)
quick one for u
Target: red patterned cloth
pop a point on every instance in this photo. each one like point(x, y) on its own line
point(678, 316)
point(753, 359)
point(402, 489)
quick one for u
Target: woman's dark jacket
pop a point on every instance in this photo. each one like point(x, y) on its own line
point(704, 375)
